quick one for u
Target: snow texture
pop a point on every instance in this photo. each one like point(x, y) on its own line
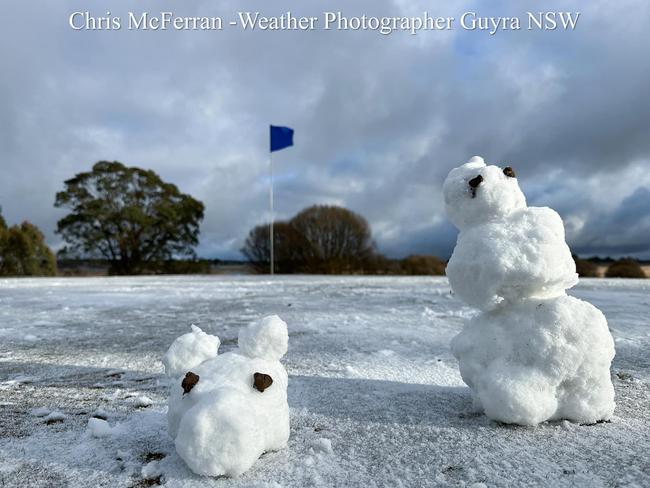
point(505, 250)
point(400, 415)
point(533, 354)
point(190, 350)
point(223, 424)
point(98, 427)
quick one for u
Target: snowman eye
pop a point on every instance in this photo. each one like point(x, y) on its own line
point(509, 172)
point(262, 381)
point(474, 183)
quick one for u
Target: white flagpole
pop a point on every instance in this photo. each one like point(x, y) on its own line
point(271, 206)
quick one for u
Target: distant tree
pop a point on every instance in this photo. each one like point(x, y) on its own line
point(625, 268)
point(288, 248)
point(585, 268)
point(423, 265)
point(336, 239)
point(319, 239)
point(23, 251)
point(128, 216)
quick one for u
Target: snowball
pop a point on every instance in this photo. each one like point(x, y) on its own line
point(98, 427)
point(267, 338)
point(495, 197)
point(537, 360)
point(523, 255)
point(190, 350)
point(222, 423)
point(143, 401)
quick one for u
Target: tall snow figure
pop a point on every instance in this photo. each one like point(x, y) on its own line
point(533, 353)
point(226, 410)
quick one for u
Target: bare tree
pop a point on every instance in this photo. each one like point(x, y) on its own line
point(336, 239)
point(288, 248)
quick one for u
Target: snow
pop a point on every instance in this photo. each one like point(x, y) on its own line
point(223, 423)
point(98, 427)
point(539, 359)
point(190, 350)
point(512, 251)
point(142, 402)
point(402, 419)
point(533, 354)
point(266, 339)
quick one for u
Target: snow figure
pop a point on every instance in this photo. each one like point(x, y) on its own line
point(226, 410)
point(533, 353)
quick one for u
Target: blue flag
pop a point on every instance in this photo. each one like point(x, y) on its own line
point(281, 137)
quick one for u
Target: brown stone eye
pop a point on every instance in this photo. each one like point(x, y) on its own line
point(262, 381)
point(474, 183)
point(189, 382)
point(509, 172)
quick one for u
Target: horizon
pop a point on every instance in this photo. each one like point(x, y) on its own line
point(379, 119)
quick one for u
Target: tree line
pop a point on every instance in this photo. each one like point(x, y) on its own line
point(131, 219)
point(328, 239)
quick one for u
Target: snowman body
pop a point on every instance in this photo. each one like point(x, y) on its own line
point(533, 353)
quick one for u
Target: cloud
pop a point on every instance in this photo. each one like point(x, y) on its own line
point(379, 120)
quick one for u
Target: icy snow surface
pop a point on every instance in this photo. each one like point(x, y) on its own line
point(375, 394)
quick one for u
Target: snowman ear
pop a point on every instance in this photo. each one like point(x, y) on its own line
point(267, 338)
point(509, 172)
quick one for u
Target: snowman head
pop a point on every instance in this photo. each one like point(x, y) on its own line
point(476, 193)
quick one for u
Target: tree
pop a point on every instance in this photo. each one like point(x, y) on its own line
point(337, 239)
point(423, 265)
point(288, 248)
point(585, 268)
point(319, 239)
point(23, 251)
point(128, 216)
point(625, 268)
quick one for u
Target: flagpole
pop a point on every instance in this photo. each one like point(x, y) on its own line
point(271, 206)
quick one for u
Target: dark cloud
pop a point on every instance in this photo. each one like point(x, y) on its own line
point(379, 120)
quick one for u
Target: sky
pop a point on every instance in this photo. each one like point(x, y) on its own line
point(379, 119)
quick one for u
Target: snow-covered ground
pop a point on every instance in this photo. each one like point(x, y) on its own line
point(375, 394)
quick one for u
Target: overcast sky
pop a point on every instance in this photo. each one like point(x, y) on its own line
point(379, 120)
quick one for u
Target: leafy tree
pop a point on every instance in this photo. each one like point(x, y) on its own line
point(23, 251)
point(625, 268)
point(128, 216)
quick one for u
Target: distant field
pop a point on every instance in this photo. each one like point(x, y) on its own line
point(370, 370)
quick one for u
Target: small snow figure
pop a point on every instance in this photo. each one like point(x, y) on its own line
point(230, 409)
point(534, 353)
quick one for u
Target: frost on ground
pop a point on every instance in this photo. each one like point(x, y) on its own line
point(375, 394)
